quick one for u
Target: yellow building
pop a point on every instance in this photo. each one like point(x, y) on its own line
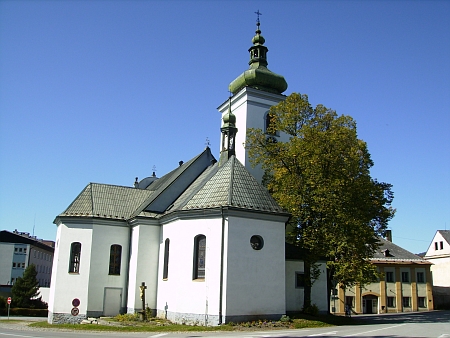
point(406, 285)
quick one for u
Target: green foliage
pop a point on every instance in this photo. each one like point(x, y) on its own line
point(311, 309)
point(3, 303)
point(285, 319)
point(25, 290)
point(322, 177)
point(24, 312)
point(128, 317)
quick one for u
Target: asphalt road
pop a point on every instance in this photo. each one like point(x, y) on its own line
point(434, 324)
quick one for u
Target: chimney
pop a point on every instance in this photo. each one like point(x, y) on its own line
point(136, 183)
point(388, 235)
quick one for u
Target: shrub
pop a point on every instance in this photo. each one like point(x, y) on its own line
point(128, 317)
point(285, 319)
point(312, 310)
point(3, 303)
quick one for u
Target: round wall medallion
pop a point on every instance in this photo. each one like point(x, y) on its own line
point(256, 242)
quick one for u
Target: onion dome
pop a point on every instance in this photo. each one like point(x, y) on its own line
point(258, 76)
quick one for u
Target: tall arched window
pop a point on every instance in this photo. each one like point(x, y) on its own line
point(166, 259)
point(115, 257)
point(199, 257)
point(75, 254)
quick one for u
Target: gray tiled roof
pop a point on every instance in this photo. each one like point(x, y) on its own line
point(395, 253)
point(229, 185)
point(445, 234)
point(106, 201)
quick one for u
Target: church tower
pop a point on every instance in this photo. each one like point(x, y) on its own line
point(253, 93)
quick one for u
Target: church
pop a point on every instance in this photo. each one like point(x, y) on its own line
point(207, 239)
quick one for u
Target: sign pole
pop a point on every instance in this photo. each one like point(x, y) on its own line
point(9, 305)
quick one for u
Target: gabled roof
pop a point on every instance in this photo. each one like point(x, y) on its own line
point(445, 234)
point(389, 252)
point(228, 185)
point(197, 184)
point(106, 201)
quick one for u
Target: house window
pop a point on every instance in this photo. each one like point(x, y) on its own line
point(389, 276)
point(420, 277)
point(75, 253)
point(299, 279)
point(405, 277)
point(25, 250)
point(435, 245)
point(166, 259)
point(14, 265)
point(441, 245)
point(199, 257)
point(23, 265)
point(406, 301)
point(391, 302)
point(115, 257)
point(421, 301)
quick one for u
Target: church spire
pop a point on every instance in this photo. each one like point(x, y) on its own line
point(258, 76)
point(229, 131)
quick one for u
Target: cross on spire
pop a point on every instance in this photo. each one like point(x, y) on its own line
point(258, 13)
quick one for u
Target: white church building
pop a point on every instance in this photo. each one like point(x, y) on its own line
point(207, 239)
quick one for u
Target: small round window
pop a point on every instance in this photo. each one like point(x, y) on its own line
point(257, 242)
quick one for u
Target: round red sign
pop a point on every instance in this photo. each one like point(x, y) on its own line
point(75, 311)
point(9, 300)
point(75, 302)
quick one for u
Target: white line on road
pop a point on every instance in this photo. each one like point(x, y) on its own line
point(158, 335)
point(322, 334)
point(384, 328)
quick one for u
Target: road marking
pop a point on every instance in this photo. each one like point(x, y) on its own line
point(158, 335)
point(17, 335)
point(322, 334)
point(384, 328)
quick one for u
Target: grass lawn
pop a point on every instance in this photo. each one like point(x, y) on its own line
point(158, 325)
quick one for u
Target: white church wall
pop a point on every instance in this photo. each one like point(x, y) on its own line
point(143, 265)
point(181, 298)
point(255, 279)
point(65, 286)
point(103, 237)
point(295, 294)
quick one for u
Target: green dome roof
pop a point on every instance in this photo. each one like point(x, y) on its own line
point(258, 76)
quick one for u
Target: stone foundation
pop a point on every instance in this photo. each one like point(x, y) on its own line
point(65, 318)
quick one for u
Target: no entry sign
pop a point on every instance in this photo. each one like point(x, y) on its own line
point(9, 300)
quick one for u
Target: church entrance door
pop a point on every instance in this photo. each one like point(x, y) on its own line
point(112, 302)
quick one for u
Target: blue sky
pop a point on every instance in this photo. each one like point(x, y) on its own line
point(103, 91)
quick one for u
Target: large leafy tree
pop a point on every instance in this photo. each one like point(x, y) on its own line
point(25, 290)
point(321, 175)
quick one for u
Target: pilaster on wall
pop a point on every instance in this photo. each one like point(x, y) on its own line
point(398, 290)
point(414, 304)
point(383, 305)
point(341, 292)
point(430, 301)
point(358, 299)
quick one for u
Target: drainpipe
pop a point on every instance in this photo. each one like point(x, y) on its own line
point(221, 266)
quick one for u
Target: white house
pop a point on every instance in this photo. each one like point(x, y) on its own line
point(207, 239)
point(438, 253)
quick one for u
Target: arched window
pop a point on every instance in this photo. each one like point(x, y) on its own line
point(115, 257)
point(166, 259)
point(75, 254)
point(199, 257)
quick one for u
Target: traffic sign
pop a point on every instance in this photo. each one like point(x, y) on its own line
point(75, 311)
point(9, 300)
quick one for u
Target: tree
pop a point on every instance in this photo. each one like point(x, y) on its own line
point(25, 290)
point(322, 177)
